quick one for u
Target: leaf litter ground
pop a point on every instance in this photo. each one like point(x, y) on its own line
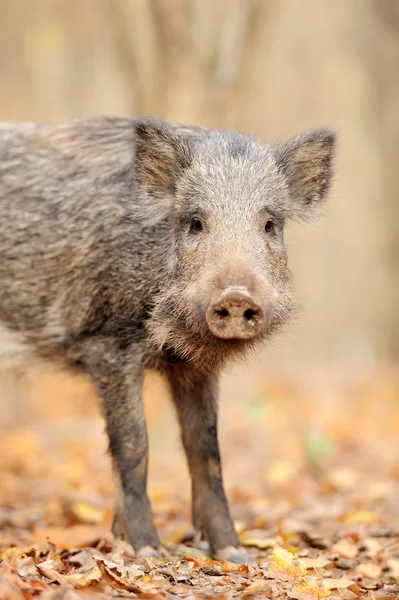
point(312, 474)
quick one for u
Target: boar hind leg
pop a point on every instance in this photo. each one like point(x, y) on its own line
point(118, 381)
point(196, 404)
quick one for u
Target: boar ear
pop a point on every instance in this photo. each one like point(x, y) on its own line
point(161, 156)
point(306, 162)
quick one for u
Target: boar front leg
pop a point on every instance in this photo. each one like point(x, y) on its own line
point(196, 403)
point(117, 376)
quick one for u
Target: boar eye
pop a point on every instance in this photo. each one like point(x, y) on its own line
point(269, 226)
point(196, 225)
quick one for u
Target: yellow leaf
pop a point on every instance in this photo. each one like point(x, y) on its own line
point(7, 553)
point(256, 538)
point(87, 513)
point(14, 553)
point(157, 495)
point(279, 473)
point(83, 579)
point(308, 588)
point(283, 561)
point(362, 517)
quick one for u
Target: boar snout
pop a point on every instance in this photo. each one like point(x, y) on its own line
point(235, 315)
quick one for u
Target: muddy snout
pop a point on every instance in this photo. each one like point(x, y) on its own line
point(235, 315)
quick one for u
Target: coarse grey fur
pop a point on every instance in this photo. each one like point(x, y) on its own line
point(117, 236)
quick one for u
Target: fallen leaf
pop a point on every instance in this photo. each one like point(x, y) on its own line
point(340, 583)
point(49, 569)
point(10, 591)
point(372, 547)
point(393, 566)
point(342, 478)
point(362, 517)
point(260, 586)
point(346, 548)
point(229, 567)
point(257, 539)
point(318, 562)
point(63, 592)
point(308, 588)
point(283, 561)
point(13, 554)
point(279, 473)
point(369, 570)
point(87, 513)
point(83, 579)
point(26, 567)
point(189, 552)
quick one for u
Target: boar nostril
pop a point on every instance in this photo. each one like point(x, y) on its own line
point(223, 312)
point(249, 314)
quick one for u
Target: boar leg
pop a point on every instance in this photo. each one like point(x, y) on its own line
point(196, 404)
point(118, 381)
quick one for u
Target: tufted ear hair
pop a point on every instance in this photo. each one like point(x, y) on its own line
point(306, 162)
point(161, 155)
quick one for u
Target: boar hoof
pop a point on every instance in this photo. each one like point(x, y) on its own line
point(118, 529)
point(235, 555)
point(149, 551)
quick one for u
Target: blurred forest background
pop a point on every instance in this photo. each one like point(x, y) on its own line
point(270, 67)
point(309, 428)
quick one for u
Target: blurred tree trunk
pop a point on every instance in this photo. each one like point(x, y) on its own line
point(384, 56)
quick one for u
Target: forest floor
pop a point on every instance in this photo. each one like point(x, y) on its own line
point(312, 474)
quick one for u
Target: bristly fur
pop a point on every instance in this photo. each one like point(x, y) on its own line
point(101, 268)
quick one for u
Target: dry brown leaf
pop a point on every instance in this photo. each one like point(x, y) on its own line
point(340, 583)
point(372, 546)
point(26, 567)
point(50, 569)
point(121, 576)
point(259, 586)
point(13, 554)
point(229, 567)
point(346, 548)
point(318, 562)
point(14, 588)
point(84, 579)
point(10, 591)
point(64, 592)
point(369, 570)
point(393, 566)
